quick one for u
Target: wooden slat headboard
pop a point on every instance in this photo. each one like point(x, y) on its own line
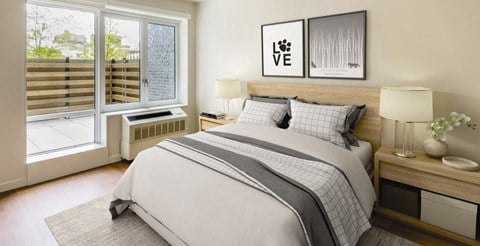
point(369, 128)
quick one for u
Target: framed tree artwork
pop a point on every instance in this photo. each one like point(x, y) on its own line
point(336, 46)
point(283, 49)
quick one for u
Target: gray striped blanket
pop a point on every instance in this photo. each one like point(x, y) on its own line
point(318, 193)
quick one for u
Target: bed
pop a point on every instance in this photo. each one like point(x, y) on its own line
point(197, 190)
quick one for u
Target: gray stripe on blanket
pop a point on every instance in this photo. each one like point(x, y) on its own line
point(305, 202)
point(279, 149)
point(273, 147)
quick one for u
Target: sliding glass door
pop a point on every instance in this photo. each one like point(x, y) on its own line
point(60, 78)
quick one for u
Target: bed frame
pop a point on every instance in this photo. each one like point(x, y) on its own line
point(369, 128)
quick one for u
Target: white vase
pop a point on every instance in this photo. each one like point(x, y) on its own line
point(435, 148)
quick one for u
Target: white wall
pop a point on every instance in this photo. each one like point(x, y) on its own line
point(12, 95)
point(431, 43)
point(13, 168)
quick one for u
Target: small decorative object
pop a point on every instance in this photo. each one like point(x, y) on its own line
point(460, 163)
point(283, 49)
point(406, 106)
point(336, 47)
point(435, 146)
point(227, 89)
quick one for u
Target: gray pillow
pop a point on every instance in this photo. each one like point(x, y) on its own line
point(327, 122)
point(353, 119)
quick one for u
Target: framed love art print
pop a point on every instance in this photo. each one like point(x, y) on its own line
point(283, 49)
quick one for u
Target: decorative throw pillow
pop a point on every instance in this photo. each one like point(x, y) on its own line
point(262, 113)
point(327, 122)
point(353, 118)
point(278, 100)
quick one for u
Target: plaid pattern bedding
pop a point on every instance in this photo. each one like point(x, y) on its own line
point(341, 205)
point(262, 113)
point(327, 122)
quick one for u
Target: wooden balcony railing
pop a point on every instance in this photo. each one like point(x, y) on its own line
point(66, 85)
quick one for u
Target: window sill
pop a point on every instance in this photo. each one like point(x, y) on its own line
point(62, 153)
point(138, 110)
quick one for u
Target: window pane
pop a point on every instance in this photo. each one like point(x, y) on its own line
point(161, 62)
point(122, 55)
point(60, 77)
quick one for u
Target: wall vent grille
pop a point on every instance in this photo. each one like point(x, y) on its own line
point(144, 130)
point(157, 130)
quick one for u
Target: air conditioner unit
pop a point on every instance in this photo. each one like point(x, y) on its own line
point(144, 130)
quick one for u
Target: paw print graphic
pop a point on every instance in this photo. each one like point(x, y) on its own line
point(284, 45)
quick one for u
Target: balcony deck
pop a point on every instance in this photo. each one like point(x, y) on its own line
point(53, 134)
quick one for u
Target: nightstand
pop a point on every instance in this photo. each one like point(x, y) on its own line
point(205, 123)
point(402, 186)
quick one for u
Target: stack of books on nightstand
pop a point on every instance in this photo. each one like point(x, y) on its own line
point(213, 114)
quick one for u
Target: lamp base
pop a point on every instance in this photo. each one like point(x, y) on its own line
point(406, 155)
point(404, 139)
point(228, 116)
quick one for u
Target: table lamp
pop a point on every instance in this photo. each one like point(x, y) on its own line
point(406, 106)
point(227, 89)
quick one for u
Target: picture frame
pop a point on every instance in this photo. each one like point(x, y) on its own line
point(283, 49)
point(337, 46)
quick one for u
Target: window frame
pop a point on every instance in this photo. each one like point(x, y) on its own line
point(175, 100)
point(144, 101)
point(146, 15)
point(104, 107)
point(137, 12)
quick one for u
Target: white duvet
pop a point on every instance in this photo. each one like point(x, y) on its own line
point(203, 207)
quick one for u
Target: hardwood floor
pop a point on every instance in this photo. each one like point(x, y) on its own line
point(22, 211)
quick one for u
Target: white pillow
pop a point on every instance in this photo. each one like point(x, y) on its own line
point(262, 113)
point(326, 122)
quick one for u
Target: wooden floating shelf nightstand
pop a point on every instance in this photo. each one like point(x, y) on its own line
point(418, 175)
point(205, 123)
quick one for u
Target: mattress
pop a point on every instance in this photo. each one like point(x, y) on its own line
point(364, 152)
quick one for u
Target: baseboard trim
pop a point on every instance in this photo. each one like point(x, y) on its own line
point(13, 184)
point(114, 158)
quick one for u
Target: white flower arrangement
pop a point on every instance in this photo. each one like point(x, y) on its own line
point(439, 128)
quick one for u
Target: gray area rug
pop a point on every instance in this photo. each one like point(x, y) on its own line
point(90, 224)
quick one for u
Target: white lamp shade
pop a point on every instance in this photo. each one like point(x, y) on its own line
point(227, 88)
point(406, 104)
